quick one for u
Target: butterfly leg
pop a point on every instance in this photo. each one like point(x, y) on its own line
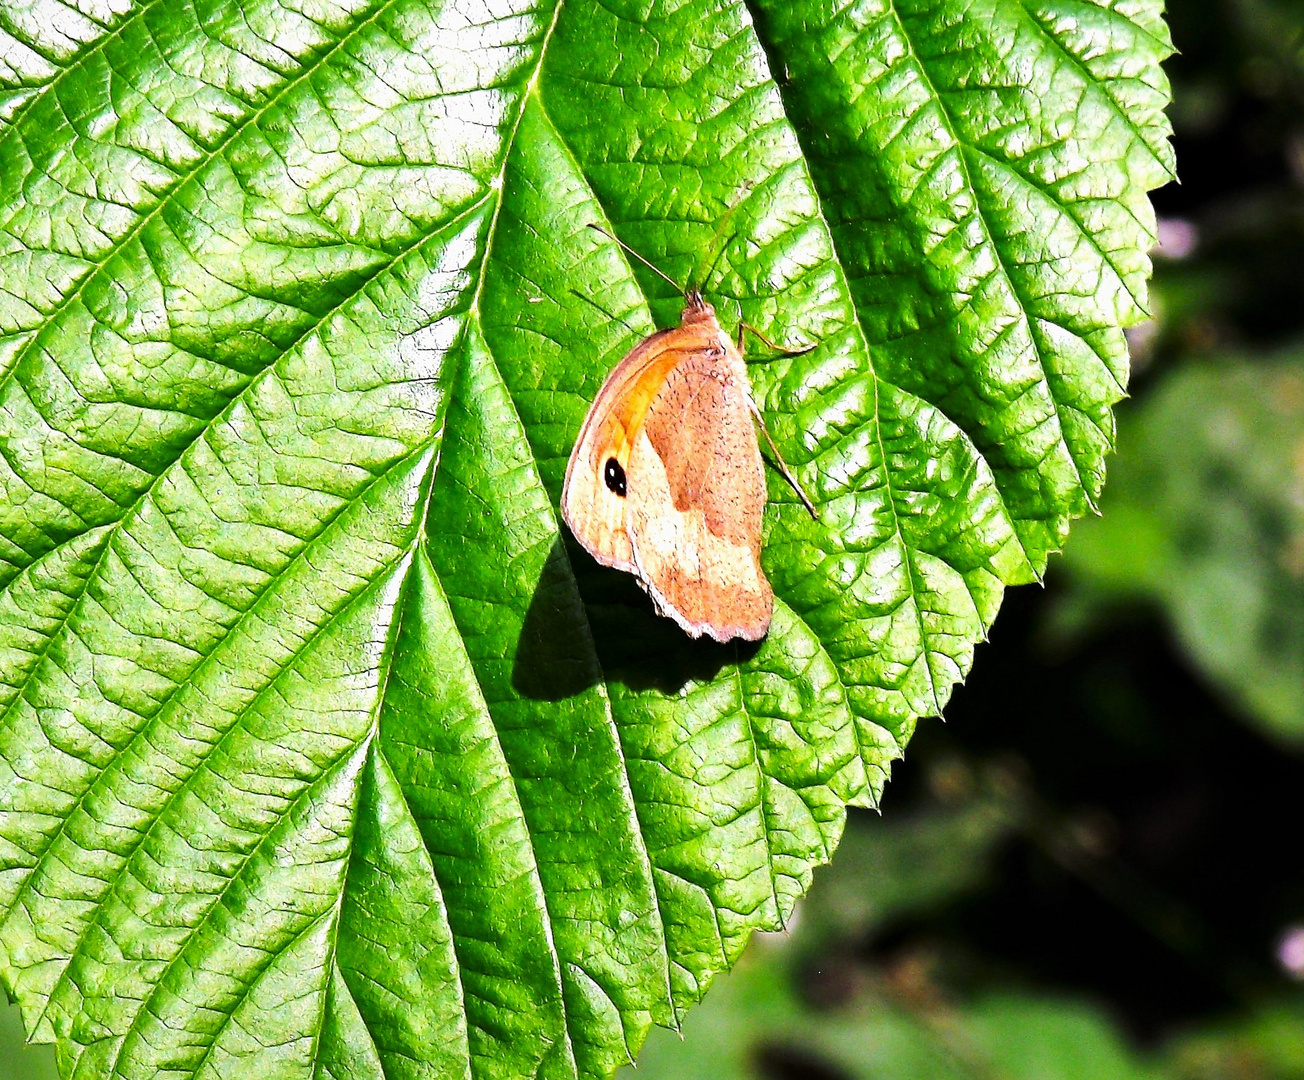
point(783, 465)
point(748, 328)
point(760, 420)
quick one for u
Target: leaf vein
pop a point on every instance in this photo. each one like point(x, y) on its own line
point(65, 67)
point(133, 1028)
point(97, 267)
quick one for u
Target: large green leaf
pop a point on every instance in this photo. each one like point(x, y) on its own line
point(323, 753)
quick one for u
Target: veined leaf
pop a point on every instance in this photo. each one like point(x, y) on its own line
point(323, 752)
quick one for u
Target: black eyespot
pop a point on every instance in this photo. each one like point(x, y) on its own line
point(614, 477)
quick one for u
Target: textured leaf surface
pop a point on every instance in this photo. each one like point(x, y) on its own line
point(323, 752)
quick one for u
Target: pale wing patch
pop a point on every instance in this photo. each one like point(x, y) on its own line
point(707, 584)
point(595, 514)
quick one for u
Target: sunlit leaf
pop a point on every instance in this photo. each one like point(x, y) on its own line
point(324, 751)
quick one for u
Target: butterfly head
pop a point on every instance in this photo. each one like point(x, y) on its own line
point(695, 308)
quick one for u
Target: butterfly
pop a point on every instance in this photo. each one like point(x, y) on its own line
point(666, 480)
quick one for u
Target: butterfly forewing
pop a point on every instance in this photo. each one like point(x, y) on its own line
point(595, 495)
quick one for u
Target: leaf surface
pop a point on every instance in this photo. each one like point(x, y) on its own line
point(324, 751)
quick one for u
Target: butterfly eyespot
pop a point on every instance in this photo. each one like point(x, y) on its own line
point(614, 477)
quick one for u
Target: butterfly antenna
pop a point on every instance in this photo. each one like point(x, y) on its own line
point(716, 261)
point(656, 270)
point(615, 318)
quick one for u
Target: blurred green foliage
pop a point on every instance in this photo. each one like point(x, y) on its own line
point(888, 1038)
point(799, 1006)
point(1205, 515)
point(1268, 1044)
point(17, 1060)
point(893, 1024)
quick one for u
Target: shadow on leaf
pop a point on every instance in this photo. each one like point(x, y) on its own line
point(614, 619)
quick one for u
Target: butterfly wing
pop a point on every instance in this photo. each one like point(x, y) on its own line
point(695, 527)
point(594, 498)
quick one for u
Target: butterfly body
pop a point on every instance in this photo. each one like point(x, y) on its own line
point(666, 480)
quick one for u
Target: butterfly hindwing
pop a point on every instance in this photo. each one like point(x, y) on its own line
point(695, 529)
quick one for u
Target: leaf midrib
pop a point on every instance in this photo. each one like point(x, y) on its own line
point(590, 641)
point(474, 315)
point(533, 94)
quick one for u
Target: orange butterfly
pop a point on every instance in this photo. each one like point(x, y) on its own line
point(666, 480)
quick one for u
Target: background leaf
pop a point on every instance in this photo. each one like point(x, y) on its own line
point(773, 1017)
point(1206, 517)
point(323, 752)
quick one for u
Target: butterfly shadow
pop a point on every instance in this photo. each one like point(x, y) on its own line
point(606, 631)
